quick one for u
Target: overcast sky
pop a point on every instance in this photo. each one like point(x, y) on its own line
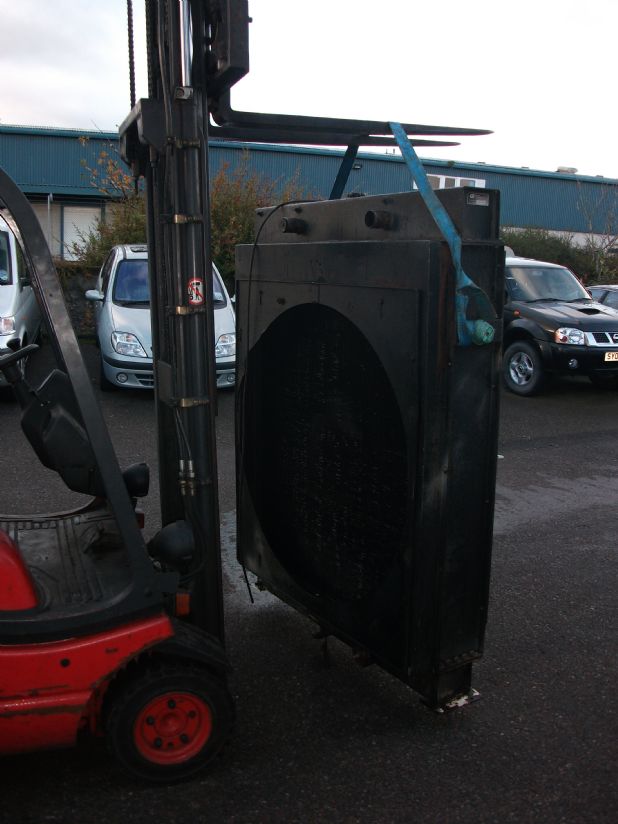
point(540, 73)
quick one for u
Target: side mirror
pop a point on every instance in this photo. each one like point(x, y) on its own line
point(94, 294)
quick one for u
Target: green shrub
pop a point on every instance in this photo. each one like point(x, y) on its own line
point(125, 216)
point(124, 222)
point(234, 197)
point(585, 261)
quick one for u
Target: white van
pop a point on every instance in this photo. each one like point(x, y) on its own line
point(122, 317)
point(20, 316)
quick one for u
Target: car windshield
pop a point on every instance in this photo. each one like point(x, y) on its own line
point(218, 295)
point(5, 269)
point(131, 284)
point(530, 283)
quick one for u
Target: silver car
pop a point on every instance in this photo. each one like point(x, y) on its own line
point(20, 316)
point(122, 317)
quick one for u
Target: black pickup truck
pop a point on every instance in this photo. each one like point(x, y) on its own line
point(553, 326)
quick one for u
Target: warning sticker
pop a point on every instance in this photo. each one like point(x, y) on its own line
point(196, 291)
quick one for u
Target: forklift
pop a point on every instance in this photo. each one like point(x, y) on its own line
point(104, 633)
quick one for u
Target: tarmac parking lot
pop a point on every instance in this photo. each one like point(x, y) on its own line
point(317, 743)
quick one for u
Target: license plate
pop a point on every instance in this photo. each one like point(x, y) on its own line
point(611, 356)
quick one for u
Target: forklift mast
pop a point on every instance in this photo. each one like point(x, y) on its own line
point(192, 47)
point(197, 49)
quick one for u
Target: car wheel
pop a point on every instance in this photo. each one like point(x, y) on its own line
point(523, 369)
point(106, 386)
point(169, 721)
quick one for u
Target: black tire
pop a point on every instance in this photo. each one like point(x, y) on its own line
point(169, 721)
point(106, 386)
point(602, 381)
point(523, 369)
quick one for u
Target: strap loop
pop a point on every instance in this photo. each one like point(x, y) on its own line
point(481, 330)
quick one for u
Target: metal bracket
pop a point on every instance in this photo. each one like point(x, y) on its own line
point(182, 219)
point(190, 403)
point(343, 174)
point(183, 144)
point(183, 93)
point(187, 310)
point(459, 702)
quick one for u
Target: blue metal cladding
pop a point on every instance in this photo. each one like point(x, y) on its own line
point(545, 200)
point(43, 161)
point(52, 160)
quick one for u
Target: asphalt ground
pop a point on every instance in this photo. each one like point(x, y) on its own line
point(318, 743)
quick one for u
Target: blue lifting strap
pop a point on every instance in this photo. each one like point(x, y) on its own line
point(481, 330)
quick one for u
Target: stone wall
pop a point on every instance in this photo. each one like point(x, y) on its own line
point(75, 280)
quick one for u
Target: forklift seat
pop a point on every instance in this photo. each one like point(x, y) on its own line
point(52, 423)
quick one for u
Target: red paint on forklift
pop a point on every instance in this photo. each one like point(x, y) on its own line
point(17, 589)
point(41, 714)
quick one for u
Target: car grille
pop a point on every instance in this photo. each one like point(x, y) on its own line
point(602, 338)
point(146, 381)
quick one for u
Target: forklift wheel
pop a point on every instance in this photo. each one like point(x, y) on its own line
point(169, 721)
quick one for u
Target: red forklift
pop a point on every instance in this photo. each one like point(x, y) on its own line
point(103, 633)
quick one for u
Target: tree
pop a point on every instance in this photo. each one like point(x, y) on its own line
point(124, 220)
point(234, 197)
point(542, 244)
point(600, 210)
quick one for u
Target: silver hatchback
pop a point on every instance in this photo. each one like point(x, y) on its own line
point(20, 316)
point(122, 316)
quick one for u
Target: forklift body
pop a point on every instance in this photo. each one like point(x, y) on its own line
point(101, 632)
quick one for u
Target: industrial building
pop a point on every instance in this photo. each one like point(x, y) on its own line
point(52, 167)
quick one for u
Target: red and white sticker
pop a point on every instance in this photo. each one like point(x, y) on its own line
point(195, 289)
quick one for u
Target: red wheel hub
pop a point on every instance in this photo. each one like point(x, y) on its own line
point(173, 728)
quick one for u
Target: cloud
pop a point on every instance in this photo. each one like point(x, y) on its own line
point(69, 74)
point(540, 75)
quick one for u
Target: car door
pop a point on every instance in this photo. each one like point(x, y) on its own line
point(103, 286)
point(509, 309)
point(28, 314)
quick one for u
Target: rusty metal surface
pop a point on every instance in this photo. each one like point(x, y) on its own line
point(367, 437)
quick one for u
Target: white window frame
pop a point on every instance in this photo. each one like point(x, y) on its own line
point(451, 182)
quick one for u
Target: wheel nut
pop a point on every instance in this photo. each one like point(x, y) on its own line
point(150, 720)
point(171, 704)
point(184, 738)
point(158, 743)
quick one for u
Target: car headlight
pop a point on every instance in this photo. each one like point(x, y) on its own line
point(7, 326)
point(567, 335)
point(125, 343)
point(226, 346)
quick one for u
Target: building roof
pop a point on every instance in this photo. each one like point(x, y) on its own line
point(54, 160)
